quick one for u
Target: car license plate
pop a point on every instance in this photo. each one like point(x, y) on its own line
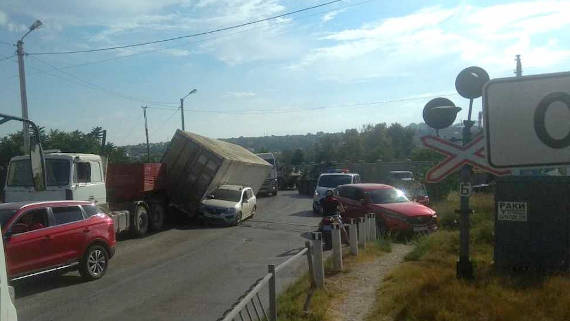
point(422, 228)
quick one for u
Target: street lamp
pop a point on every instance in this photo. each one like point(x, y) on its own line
point(23, 96)
point(193, 91)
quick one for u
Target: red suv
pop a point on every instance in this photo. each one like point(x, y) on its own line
point(41, 237)
point(394, 211)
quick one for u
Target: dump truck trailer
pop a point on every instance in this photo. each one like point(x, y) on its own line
point(196, 165)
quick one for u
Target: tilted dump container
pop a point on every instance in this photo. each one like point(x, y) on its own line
point(196, 165)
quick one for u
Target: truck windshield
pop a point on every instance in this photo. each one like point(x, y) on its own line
point(57, 172)
point(334, 180)
point(386, 196)
point(6, 215)
point(227, 195)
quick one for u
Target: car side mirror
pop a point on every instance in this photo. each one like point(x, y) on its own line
point(211, 196)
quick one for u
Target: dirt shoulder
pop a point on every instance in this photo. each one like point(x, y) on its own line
point(358, 284)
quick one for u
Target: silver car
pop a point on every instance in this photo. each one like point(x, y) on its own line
point(229, 204)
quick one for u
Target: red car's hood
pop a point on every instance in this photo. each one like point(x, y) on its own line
point(406, 208)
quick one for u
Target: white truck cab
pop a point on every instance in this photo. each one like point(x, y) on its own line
point(69, 176)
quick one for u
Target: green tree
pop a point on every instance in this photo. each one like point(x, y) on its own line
point(298, 157)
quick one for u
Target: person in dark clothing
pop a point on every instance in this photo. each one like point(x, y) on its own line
point(330, 204)
point(332, 207)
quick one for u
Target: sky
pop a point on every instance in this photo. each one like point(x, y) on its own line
point(339, 66)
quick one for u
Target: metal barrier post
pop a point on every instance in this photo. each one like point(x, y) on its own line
point(362, 232)
point(369, 225)
point(272, 293)
point(312, 277)
point(337, 248)
point(318, 263)
point(373, 226)
point(353, 237)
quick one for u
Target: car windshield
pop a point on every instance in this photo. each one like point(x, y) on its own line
point(227, 195)
point(6, 215)
point(334, 180)
point(57, 172)
point(386, 196)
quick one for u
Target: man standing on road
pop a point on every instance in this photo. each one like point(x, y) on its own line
point(332, 207)
point(330, 204)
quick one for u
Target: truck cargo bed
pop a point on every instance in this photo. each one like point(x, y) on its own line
point(130, 182)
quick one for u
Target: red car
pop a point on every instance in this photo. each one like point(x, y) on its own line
point(41, 237)
point(394, 211)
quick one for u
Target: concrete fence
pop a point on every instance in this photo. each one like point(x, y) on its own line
point(251, 306)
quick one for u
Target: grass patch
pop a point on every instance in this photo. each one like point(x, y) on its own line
point(290, 304)
point(425, 287)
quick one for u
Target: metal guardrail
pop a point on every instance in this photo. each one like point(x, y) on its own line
point(250, 306)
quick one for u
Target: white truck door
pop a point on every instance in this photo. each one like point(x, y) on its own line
point(7, 308)
point(88, 184)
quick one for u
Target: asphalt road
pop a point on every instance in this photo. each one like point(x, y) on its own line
point(182, 273)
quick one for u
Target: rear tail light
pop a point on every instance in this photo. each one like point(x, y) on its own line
point(68, 194)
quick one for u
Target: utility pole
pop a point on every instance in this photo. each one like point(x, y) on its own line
point(23, 95)
point(518, 71)
point(193, 91)
point(182, 112)
point(144, 108)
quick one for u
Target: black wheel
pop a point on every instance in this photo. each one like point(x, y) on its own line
point(157, 217)
point(140, 221)
point(237, 219)
point(94, 262)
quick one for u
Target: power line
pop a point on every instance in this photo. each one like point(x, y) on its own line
point(7, 57)
point(187, 36)
point(277, 111)
point(101, 88)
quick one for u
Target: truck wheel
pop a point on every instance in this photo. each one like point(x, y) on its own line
point(94, 262)
point(140, 221)
point(157, 217)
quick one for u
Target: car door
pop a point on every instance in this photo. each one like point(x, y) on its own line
point(245, 204)
point(69, 233)
point(347, 200)
point(28, 249)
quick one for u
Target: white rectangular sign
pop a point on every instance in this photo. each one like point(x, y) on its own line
point(527, 120)
point(512, 211)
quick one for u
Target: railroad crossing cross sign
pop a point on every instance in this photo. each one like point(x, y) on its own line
point(472, 153)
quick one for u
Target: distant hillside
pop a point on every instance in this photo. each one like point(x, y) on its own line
point(287, 142)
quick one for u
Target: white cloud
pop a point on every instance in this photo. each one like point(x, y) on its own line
point(331, 15)
point(489, 36)
point(241, 94)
